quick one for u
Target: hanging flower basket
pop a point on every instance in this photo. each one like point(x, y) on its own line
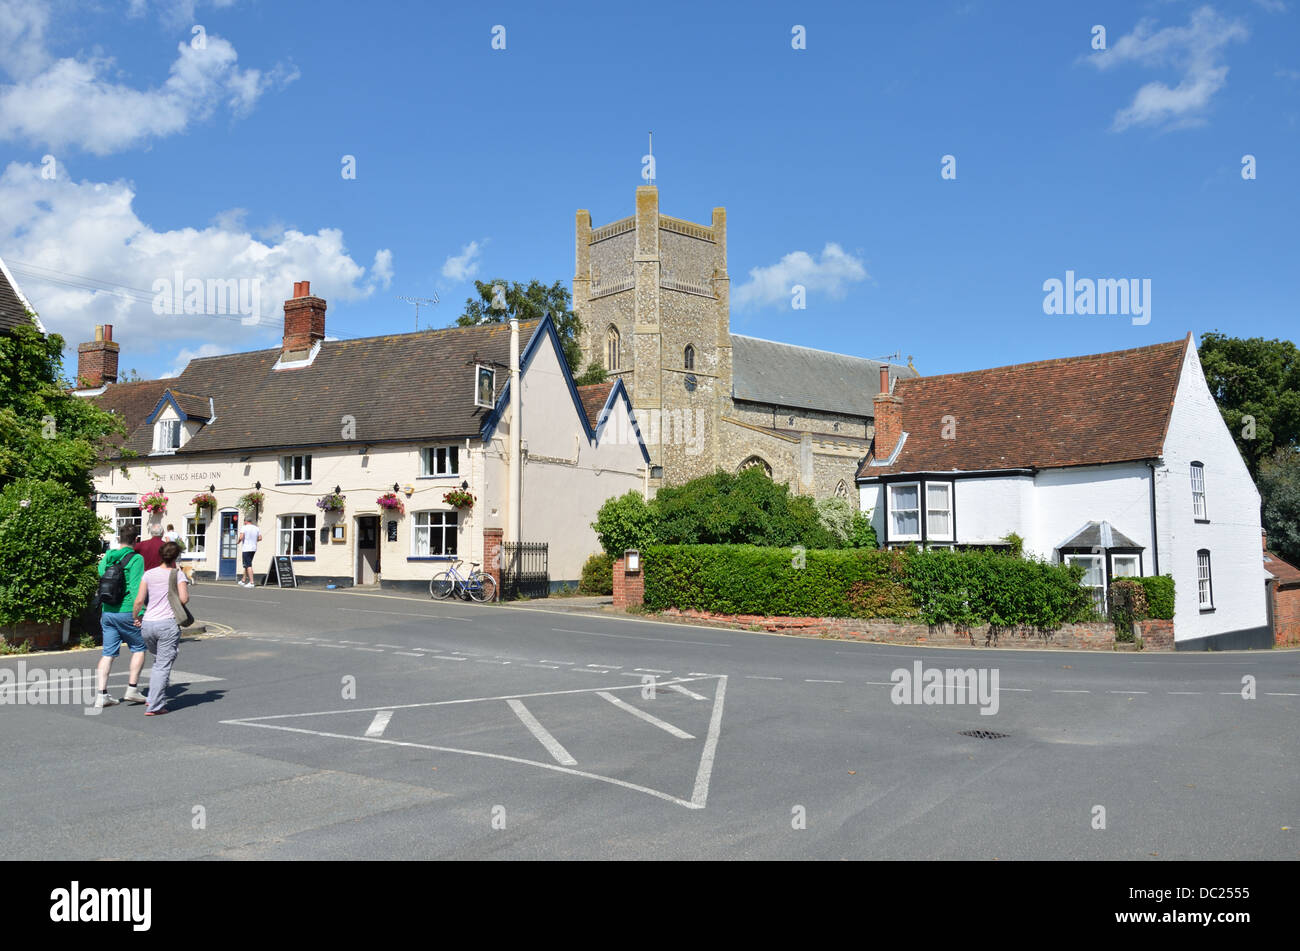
point(204, 500)
point(459, 498)
point(391, 502)
point(333, 502)
point(251, 502)
point(155, 503)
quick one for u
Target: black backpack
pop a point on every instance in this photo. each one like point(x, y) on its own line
point(112, 585)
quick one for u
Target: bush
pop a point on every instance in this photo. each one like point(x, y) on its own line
point(1128, 603)
point(1160, 596)
point(862, 534)
point(49, 547)
point(597, 575)
point(625, 522)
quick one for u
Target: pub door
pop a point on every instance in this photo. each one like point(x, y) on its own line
point(228, 558)
point(367, 570)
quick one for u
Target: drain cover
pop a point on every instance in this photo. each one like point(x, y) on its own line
point(984, 734)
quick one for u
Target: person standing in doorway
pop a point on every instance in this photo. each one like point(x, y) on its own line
point(249, 536)
point(116, 620)
point(159, 625)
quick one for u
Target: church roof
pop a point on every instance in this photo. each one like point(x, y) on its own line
point(782, 374)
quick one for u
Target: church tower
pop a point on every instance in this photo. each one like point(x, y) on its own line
point(653, 296)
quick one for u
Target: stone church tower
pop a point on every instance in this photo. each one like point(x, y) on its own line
point(653, 295)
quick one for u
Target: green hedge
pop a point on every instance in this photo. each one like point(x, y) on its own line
point(937, 587)
point(1160, 596)
point(597, 575)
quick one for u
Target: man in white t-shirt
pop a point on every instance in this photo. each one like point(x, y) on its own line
point(249, 536)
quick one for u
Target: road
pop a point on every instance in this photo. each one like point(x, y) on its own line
point(337, 725)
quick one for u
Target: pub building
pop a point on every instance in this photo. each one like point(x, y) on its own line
point(371, 461)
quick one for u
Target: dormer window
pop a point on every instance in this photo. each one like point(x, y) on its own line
point(167, 435)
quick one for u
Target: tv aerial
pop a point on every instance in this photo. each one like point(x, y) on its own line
point(417, 301)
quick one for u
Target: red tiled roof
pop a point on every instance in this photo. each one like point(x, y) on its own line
point(593, 397)
point(1287, 574)
point(1089, 410)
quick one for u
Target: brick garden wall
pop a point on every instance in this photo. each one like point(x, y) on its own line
point(628, 589)
point(1156, 634)
point(42, 637)
point(1286, 617)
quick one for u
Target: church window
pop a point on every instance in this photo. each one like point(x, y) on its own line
point(842, 490)
point(611, 348)
point(754, 462)
point(688, 357)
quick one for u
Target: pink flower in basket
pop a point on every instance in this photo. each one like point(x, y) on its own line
point(155, 503)
point(390, 501)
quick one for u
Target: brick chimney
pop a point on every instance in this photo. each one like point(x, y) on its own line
point(304, 321)
point(97, 360)
point(889, 418)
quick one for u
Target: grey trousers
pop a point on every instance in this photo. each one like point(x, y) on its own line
point(163, 638)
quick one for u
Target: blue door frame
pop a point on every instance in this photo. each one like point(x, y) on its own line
point(229, 544)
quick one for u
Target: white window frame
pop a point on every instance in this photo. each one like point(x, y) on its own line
point(429, 461)
point(1199, 509)
point(1098, 591)
point(939, 536)
point(301, 464)
point(1204, 580)
point(167, 435)
point(890, 511)
point(1129, 556)
point(120, 520)
point(196, 543)
point(286, 529)
point(423, 528)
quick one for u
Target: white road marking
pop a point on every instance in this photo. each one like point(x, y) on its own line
point(341, 647)
point(73, 682)
point(219, 597)
point(647, 717)
point(1017, 689)
point(690, 693)
point(1071, 691)
point(651, 670)
point(380, 723)
point(400, 647)
point(483, 660)
point(408, 654)
point(543, 735)
point(879, 683)
point(638, 637)
point(823, 681)
point(444, 657)
point(354, 642)
point(1282, 694)
point(607, 666)
point(701, 794)
point(1228, 693)
point(757, 677)
point(545, 661)
point(586, 670)
point(1127, 691)
point(1186, 693)
point(370, 650)
point(543, 666)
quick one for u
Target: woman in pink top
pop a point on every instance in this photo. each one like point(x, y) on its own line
point(162, 633)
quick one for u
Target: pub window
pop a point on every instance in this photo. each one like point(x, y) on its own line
point(295, 468)
point(167, 435)
point(435, 534)
point(196, 535)
point(124, 517)
point(297, 535)
point(440, 461)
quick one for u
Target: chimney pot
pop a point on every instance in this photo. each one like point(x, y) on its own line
point(884, 378)
point(97, 360)
point(108, 331)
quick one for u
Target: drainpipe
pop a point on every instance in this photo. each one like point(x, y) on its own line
point(1155, 537)
point(515, 527)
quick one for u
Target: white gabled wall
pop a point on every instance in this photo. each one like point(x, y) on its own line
point(1065, 499)
point(1198, 433)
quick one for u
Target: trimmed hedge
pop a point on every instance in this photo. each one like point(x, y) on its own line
point(1160, 596)
point(937, 587)
point(597, 575)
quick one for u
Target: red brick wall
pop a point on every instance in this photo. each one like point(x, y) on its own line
point(492, 555)
point(1286, 617)
point(97, 362)
point(1156, 634)
point(628, 588)
point(42, 637)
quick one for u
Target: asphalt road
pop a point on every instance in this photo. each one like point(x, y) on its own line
point(336, 725)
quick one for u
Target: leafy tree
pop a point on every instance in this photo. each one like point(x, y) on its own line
point(625, 522)
point(529, 302)
point(1279, 484)
point(45, 431)
point(1255, 378)
point(595, 373)
point(49, 545)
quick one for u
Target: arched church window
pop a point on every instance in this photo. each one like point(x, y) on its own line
point(754, 462)
point(688, 357)
point(842, 490)
point(611, 348)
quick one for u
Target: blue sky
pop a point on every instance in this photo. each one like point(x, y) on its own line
point(224, 162)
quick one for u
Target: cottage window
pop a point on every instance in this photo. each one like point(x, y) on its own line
point(297, 535)
point(1198, 492)
point(435, 534)
point(1125, 566)
point(125, 517)
point(167, 435)
point(440, 461)
point(1204, 584)
point(295, 468)
point(1094, 577)
point(905, 511)
point(196, 535)
point(938, 510)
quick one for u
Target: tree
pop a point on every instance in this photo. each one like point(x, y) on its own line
point(625, 522)
point(1279, 485)
point(1256, 383)
point(45, 431)
point(529, 302)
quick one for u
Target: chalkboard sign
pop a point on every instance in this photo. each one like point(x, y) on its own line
point(282, 571)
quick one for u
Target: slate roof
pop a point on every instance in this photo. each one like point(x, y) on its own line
point(593, 398)
point(13, 305)
point(782, 374)
point(192, 405)
point(1287, 575)
point(396, 388)
point(1099, 535)
point(1089, 410)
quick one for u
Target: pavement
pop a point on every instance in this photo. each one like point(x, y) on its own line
point(351, 724)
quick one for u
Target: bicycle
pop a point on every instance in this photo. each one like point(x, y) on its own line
point(477, 586)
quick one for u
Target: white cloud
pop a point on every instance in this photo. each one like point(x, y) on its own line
point(173, 11)
point(73, 102)
point(1195, 51)
point(1272, 6)
point(186, 355)
point(463, 266)
point(64, 227)
point(827, 275)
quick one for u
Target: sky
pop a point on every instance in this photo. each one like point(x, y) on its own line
point(922, 170)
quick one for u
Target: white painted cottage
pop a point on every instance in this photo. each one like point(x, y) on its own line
point(1118, 461)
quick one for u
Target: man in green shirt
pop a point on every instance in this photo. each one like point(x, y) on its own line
point(117, 622)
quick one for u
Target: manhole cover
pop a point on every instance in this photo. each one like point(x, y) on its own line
point(984, 734)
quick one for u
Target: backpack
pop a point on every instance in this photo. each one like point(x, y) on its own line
point(112, 585)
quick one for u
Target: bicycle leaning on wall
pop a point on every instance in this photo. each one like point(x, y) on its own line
point(476, 586)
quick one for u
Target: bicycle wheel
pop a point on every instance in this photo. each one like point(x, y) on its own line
point(441, 585)
point(482, 587)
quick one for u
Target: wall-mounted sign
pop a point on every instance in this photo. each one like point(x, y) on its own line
point(485, 387)
point(118, 498)
point(392, 531)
